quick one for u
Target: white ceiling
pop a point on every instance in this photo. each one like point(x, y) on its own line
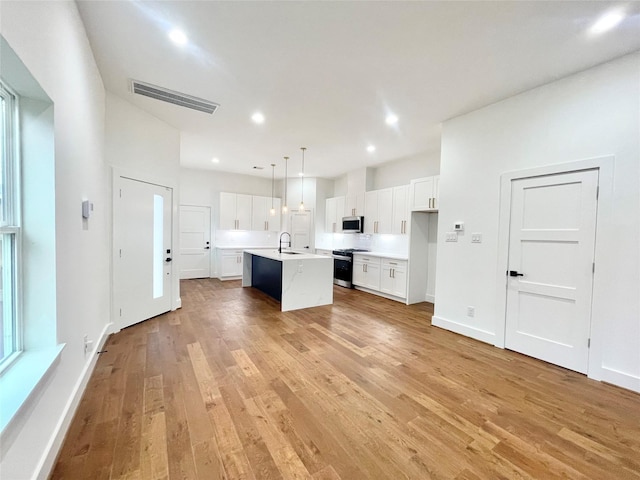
point(325, 74)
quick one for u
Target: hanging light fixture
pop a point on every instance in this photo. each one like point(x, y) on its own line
point(284, 207)
point(273, 169)
point(301, 208)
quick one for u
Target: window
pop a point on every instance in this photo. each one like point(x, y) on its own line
point(9, 226)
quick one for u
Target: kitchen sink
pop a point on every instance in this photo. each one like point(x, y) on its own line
point(290, 253)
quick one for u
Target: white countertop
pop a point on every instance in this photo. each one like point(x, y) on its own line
point(285, 257)
point(383, 255)
point(244, 248)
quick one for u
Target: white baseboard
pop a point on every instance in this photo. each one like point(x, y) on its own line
point(430, 298)
point(46, 463)
point(465, 330)
point(621, 379)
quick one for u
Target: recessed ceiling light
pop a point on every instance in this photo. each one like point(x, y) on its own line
point(607, 22)
point(257, 117)
point(371, 148)
point(215, 160)
point(391, 119)
point(178, 37)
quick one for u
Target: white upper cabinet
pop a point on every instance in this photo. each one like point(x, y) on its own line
point(354, 205)
point(378, 211)
point(261, 218)
point(401, 211)
point(424, 193)
point(333, 214)
point(236, 213)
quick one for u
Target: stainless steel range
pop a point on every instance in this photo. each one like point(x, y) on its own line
point(343, 266)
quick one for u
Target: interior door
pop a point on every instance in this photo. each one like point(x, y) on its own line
point(550, 274)
point(301, 230)
point(142, 251)
point(195, 241)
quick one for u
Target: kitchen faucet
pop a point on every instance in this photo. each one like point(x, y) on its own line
point(280, 241)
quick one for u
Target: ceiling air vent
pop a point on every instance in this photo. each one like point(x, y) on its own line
point(177, 98)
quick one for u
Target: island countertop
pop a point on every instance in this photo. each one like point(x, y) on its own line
point(285, 256)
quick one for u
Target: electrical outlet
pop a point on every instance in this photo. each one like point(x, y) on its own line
point(300, 269)
point(471, 311)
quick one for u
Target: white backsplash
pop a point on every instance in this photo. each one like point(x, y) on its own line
point(396, 244)
point(245, 238)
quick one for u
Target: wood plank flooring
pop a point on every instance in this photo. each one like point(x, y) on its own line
point(229, 387)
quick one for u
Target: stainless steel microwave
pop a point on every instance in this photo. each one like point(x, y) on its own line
point(352, 224)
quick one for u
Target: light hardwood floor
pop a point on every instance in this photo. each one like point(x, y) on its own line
point(230, 387)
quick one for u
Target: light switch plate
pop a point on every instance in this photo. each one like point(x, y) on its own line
point(452, 237)
point(476, 238)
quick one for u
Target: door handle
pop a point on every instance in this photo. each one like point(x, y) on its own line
point(513, 273)
point(207, 248)
point(168, 259)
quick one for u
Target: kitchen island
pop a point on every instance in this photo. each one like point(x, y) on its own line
point(296, 280)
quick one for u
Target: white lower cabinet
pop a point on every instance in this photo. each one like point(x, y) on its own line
point(366, 271)
point(229, 263)
point(393, 277)
point(387, 276)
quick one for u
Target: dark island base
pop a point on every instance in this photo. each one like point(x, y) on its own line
point(266, 276)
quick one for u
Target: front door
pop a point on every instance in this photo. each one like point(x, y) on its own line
point(142, 251)
point(550, 273)
point(195, 241)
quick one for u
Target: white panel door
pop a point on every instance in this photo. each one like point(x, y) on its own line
point(300, 230)
point(550, 275)
point(195, 241)
point(142, 251)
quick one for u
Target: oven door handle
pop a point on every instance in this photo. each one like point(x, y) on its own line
point(342, 257)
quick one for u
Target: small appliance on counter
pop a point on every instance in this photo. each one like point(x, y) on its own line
point(352, 224)
point(343, 265)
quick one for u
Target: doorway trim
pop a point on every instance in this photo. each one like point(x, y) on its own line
point(155, 179)
point(605, 166)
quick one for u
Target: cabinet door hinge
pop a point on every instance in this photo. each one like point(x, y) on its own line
point(597, 192)
point(588, 343)
point(593, 267)
point(120, 312)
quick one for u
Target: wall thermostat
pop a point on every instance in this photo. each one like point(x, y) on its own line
point(458, 226)
point(87, 208)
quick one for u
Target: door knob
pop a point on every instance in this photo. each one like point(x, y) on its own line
point(513, 273)
point(206, 248)
point(168, 259)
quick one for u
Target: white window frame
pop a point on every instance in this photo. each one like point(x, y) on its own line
point(11, 223)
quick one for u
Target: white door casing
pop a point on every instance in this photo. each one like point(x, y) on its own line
point(143, 254)
point(195, 241)
point(551, 244)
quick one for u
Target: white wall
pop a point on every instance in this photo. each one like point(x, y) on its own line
point(403, 170)
point(50, 40)
point(594, 113)
point(140, 142)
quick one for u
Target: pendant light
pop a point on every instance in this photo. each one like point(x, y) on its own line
point(284, 207)
point(273, 169)
point(301, 208)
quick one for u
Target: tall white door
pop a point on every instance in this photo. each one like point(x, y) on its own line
point(142, 251)
point(300, 230)
point(195, 241)
point(550, 274)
